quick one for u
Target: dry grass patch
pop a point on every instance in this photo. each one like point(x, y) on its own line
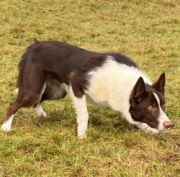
point(147, 31)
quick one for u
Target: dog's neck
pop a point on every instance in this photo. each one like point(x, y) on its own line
point(119, 80)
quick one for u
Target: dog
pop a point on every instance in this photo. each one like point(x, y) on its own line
point(49, 70)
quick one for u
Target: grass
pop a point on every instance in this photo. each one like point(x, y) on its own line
point(147, 31)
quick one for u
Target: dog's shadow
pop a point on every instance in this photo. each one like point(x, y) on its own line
point(105, 120)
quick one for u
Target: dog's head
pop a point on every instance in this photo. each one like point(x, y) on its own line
point(147, 106)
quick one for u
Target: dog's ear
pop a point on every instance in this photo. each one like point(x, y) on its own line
point(160, 83)
point(138, 92)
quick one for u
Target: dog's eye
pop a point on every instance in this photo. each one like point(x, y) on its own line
point(150, 107)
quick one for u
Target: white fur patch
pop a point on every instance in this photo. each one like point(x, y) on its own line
point(162, 116)
point(6, 126)
point(112, 84)
point(147, 128)
point(40, 111)
point(17, 90)
point(82, 114)
point(65, 87)
point(38, 108)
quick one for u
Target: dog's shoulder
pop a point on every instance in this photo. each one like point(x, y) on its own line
point(122, 59)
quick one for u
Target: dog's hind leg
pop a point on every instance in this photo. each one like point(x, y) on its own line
point(29, 94)
point(40, 111)
point(38, 107)
point(52, 90)
point(25, 101)
point(13, 107)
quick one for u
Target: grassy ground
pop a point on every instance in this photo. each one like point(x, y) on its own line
point(147, 31)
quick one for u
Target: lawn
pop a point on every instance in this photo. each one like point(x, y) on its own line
point(146, 30)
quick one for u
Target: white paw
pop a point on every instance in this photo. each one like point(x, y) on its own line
point(147, 128)
point(81, 134)
point(151, 130)
point(17, 90)
point(5, 127)
point(44, 114)
point(40, 111)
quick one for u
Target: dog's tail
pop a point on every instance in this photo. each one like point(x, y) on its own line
point(35, 41)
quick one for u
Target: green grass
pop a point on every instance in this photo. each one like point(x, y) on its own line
point(146, 30)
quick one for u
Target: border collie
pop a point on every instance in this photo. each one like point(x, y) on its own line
point(49, 70)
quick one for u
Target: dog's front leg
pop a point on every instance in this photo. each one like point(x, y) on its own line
point(82, 115)
point(146, 128)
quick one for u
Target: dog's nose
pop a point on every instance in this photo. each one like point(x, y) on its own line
point(167, 124)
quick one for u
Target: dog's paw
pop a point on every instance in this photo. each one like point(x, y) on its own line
point(81, 131)
point(151, 130)
point(40, 111)
point(82, 136)
point(44, 114)
point(16, 90)
point(5, 127)
point(147, 128)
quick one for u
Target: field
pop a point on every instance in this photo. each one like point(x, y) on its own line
point(146, 30)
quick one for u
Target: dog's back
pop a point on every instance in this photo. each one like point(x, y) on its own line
point(56, 58)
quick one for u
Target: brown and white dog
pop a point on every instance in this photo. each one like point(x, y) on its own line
point(49, 70)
